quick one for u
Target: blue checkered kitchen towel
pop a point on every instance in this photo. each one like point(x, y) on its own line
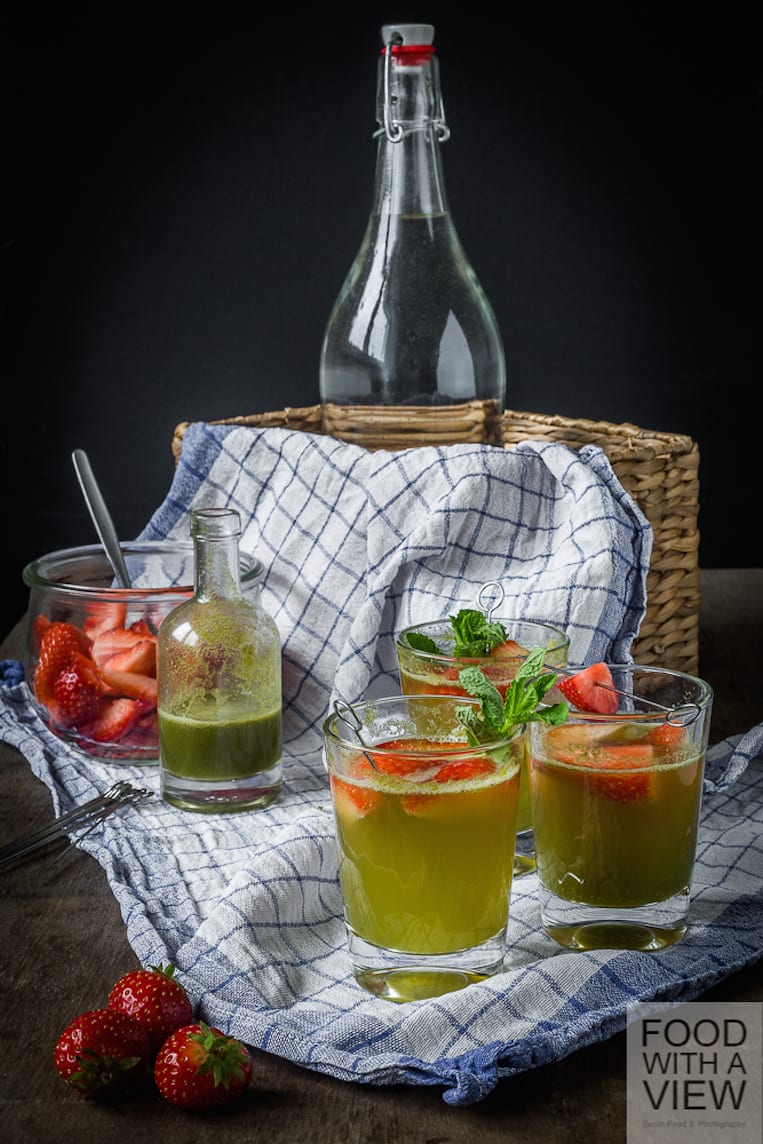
point(357, 545)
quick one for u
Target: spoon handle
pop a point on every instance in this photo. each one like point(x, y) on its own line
point(104, 525)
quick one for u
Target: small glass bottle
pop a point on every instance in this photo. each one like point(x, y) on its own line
point(219, 684)
point(411, 325)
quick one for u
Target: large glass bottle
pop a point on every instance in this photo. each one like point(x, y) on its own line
point(219, 683)
point(411, 326)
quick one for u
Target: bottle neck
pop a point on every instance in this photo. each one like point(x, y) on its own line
point(409, 177)
point(215, 534)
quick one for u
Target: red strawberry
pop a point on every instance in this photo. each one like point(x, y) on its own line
point(155, 999)
point(104, 617)
point(628, 757)
point(352, 801)
point(110, 643)
point(144, 628)
point(102, 1050)
point(40, 626)
point(132, 685)
point(408, 760)
point(666, 736)
point(509, 649)
point(140, 658)
point(78, 692)
point(588, 690)
point(457, 770)
point(58, 644)
point(199, 1067)
point(115, 719)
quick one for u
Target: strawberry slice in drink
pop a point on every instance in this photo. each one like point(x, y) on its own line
point(399, 756)
point(454, 771)
point(666, 736)
point(352, 801)
point(613, 770)
point(591, 689)
point(509, 649)
point(625, 780)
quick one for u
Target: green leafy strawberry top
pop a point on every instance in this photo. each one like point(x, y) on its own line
point(524, 695)
point(473, 635)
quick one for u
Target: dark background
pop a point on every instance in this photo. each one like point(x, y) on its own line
point(184, 189)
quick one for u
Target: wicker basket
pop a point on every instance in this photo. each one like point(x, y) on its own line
point(659, 470)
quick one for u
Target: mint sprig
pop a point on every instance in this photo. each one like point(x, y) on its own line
point(473, 635)
point(524, 695)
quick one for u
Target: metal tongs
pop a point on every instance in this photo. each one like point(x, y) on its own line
point(81, 818)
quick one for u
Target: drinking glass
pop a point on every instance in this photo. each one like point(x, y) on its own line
point(425, 829)
point(428, 673)
point(616, 803)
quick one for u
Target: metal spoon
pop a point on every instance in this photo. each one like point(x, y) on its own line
point(104, 525)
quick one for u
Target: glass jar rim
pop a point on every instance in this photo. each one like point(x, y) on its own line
point(37, 573)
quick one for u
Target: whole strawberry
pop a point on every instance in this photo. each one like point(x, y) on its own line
point(201, 1068)
point(155, 999)
point(102, 1051)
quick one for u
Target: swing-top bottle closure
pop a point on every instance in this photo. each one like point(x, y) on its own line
point(409, 46)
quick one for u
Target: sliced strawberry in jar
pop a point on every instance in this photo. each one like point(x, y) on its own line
point(140, 658)
point(78, 692)
point(144, 628)
point(591, 690)
point(115, 641)
point(59, 643)
point(103, 617)
point(133, 685)
point(115, 719)
point(40, 626)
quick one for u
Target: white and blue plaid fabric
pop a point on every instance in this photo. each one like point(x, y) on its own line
point(355, 546)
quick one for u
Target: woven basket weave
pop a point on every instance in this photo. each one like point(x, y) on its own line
point(659, 470)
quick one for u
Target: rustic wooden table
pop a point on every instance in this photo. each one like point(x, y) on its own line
point(64, 944)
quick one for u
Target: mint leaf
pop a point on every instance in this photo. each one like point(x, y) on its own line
point(524, 695)
point(420, 642)
point(474, 681)
point(474, 635)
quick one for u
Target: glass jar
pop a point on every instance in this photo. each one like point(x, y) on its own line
point(90, 654)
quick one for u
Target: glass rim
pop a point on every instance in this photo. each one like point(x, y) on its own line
point(36, 573)
point(387, 702)
point(562, 641)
